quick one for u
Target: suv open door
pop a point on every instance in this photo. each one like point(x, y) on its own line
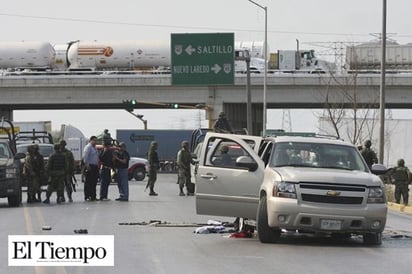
point(227, 184)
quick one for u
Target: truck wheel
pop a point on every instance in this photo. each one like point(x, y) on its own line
point(372, 238)
point(14, 201)
point(266, 234)
point(139, 174)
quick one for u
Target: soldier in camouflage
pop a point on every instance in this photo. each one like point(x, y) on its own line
point(184, 159)
point(29, 170)
point(68, 181)
point(222, 124)
point(56, 170)
point(401, 176)
point(39, 172)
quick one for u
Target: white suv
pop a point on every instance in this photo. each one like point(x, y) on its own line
point(290, 182)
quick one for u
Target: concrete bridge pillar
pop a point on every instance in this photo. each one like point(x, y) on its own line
point(6, 113)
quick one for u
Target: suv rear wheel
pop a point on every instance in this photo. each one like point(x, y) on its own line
point(139, 174)
point(266, 234)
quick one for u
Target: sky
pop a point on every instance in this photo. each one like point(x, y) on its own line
point(317, 24)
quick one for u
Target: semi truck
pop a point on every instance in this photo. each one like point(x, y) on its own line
point(38, 126)
point(76, 141)
point(293, 61)
point(169, 140)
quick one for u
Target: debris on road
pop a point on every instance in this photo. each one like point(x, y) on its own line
point(81, 231)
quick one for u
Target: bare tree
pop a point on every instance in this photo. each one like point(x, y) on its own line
point(346, 115)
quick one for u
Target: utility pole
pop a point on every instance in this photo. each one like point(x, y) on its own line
point(382, 88)
point(266, 66)
point(244, 55)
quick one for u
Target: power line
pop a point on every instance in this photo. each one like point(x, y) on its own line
point(180, 26)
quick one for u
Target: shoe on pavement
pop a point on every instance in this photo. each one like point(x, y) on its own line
point(153, 194)
point(182, 194)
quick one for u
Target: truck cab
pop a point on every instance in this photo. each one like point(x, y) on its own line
point(10, 166)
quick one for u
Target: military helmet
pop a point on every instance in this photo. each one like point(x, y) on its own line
point(63, 143)
point(368, 143)
point(401, 162)
point(222, 114)
point(31, 149)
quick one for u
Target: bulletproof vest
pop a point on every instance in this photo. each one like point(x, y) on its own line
point(58, 161)
point(400, 174)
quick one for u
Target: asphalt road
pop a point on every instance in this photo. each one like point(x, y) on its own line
point(174, 248)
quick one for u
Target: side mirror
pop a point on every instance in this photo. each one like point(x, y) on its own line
point(20, 155)
point(379, 169)
point(246, 162)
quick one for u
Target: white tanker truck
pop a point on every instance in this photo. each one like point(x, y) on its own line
point(152, 56)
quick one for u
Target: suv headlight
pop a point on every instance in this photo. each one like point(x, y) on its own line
point(284, 190)
point(11, 173)
point(376, 195)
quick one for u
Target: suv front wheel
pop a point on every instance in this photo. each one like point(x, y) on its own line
point(266, 234)
point(372, 238)
point(15, 200)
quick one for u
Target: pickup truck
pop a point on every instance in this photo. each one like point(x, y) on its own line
point(10, 166)
point(311, 184)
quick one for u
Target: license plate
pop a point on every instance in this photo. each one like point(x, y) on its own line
point(330, 224)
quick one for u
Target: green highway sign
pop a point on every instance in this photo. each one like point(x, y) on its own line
point(202, 58)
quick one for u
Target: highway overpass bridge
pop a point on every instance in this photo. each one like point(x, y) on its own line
point(108, 91)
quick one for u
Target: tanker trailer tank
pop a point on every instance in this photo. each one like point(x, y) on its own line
point(118, 55)
point(26, 55)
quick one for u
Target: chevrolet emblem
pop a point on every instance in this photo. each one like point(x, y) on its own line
point(332, 193)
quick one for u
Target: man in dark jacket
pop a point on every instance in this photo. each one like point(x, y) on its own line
point(368, 154)
point(106, 160)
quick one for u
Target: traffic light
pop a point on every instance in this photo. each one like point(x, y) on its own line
point(174, 105)
point(129, 105)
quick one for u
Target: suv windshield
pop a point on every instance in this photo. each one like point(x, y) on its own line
point(317, 155)
point(44, 150)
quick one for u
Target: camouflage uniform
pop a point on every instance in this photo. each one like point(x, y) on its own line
point(184, 159)
point(107, 138)
point(401, 176)
point(56, 169)
point(153, 161)
point(40, 172)
point(222, 124)
point(68, 181)
point(29, 170)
